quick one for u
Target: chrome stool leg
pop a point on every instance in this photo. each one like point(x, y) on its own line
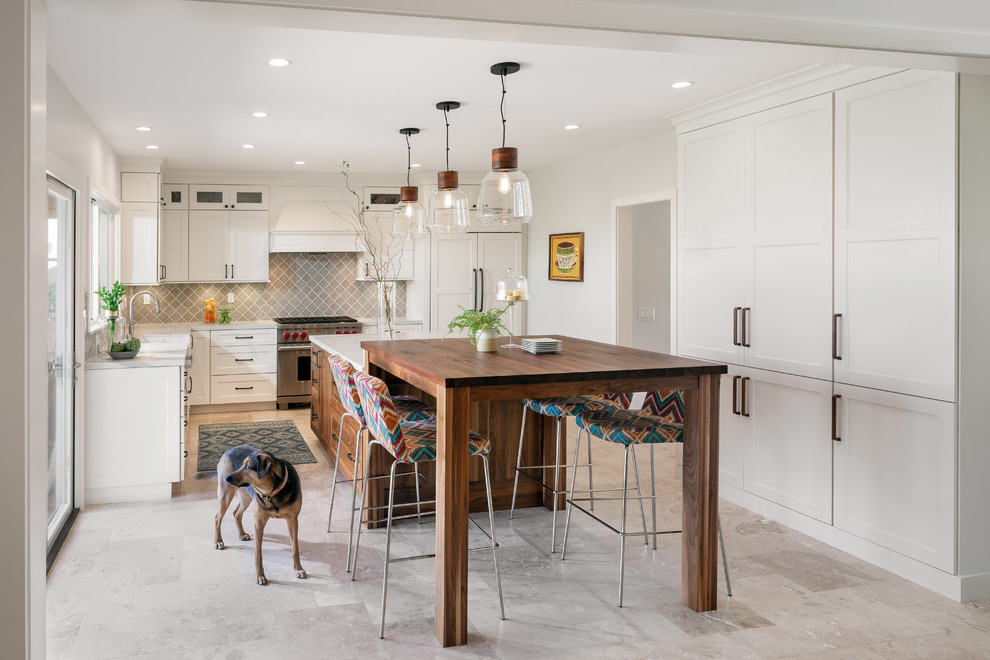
point(556, 491)
point(354, 490)
point(622, 524)
point(591, 475)
point(336, 464)
point(388, 545)
point(653, 497)
point(725, 561)
point(639, 493)
point(364, 503)
point(515, 483)
point(570, 493)
point(491, 522)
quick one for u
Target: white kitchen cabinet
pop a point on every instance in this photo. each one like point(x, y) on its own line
point(755, 251)
point(788, 450)
point(228, 246)
point(139, 243)
point(211, 197)
point(134, 433)
point(895, 484)
point(732, 430)
point(895, 244)
point(199, 372)
point(174, 246)
point(243, 366)
point(175, 196)
point(464, 268)
point(139, 187)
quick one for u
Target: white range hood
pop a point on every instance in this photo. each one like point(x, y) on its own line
point(312, 226)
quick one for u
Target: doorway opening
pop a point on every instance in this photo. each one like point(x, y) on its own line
point(644, 272)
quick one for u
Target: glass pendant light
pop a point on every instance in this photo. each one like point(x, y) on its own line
point(449, 211)
point(409, 217)
point(504, 197)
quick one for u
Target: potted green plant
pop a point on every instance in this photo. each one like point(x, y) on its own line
point(110, 301)
point(483, 327)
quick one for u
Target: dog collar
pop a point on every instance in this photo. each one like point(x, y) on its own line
point(285, 480)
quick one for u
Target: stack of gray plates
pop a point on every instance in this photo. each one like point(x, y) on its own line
point(540, 344)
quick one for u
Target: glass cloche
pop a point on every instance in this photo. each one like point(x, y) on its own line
point(511, 287)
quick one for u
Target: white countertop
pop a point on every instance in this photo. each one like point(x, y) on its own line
point(167, 350)
point(349, 346)
point(144, 329)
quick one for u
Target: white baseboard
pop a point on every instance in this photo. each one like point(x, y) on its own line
point(128, 494)
point(959, 588)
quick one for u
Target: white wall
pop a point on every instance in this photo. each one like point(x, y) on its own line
point(650, 260)
point(576, 195)
point(77, 149)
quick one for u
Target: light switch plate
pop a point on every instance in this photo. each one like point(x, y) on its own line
point(230, 297)
point(146, 298)
point(647, 313)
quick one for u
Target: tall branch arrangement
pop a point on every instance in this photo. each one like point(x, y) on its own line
point(383, 249)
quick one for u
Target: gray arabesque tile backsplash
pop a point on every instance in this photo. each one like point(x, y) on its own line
point(302, 284)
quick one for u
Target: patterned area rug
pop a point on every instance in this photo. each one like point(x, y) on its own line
point(281, 439)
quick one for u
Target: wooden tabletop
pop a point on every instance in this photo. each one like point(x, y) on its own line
point(454, 362)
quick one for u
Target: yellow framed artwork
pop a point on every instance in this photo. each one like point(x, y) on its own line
point(567, 257)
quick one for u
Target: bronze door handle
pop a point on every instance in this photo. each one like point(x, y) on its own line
point(735, 326)
point(835, 405)
point(742, 406)
point(735, 381)
point(835, 336)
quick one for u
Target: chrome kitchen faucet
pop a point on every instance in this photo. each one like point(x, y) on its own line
point(130, 310)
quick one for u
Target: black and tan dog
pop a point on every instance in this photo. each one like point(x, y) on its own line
point(273, 484)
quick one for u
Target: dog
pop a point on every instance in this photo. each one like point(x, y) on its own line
point(270, 482)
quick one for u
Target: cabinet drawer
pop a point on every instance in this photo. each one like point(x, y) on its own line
point(256, 337)
point(237, 360)
point(242, 389)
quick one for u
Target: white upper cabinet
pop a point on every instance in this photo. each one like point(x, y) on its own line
point(228, 246)
point(139, 243)
point(174, 246)
point(204, 197)
point(755, 217)
point(139, 186)
point(895, 246)
point(175, 196)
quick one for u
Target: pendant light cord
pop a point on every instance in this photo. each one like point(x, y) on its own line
point(408, 161)
point(501, 107)
point(447, 122)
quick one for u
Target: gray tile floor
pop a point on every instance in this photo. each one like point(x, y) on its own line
point(143, 580)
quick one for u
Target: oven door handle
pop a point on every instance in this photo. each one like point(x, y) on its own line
point(295, 347)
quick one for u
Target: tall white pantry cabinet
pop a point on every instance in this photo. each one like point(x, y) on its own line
point(818, 257)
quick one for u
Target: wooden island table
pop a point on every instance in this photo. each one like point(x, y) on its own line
point(457, 374)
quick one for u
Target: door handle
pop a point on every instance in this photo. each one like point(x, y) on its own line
point(835, 405)
point(735, 326)
point(742, 403)
point(745, 325)
point(481, 289)
point(244, 388)
point(474, 287)
point(735, 382)
point(835, 336)
point(231, 271)
point(243, 359)
point(225, 271)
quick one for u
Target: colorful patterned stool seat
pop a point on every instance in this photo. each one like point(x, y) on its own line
point(419, 442)
point(629, 427)
point(570, 406)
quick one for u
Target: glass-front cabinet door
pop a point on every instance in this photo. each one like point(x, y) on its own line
point(61, 357)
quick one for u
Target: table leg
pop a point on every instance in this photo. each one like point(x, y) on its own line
point(453, 413)
point(699, 558)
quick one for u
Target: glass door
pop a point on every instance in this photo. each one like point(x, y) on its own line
point(61, 357)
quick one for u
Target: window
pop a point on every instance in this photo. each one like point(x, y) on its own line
point(101, 243)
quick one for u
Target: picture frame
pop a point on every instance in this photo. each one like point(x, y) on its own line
point(567, 257)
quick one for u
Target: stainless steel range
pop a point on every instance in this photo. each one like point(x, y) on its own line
point(293, 385)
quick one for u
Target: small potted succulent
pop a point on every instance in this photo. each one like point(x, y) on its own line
point(483, 327)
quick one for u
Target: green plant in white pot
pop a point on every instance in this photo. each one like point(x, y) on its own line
point(483, 327)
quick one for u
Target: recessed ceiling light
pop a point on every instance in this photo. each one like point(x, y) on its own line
point(571, 127)
point(300, 162)
point(248, 146)
point(144, 128)
point(259, 114)
point(416, 165)
point(151, 146)
point(682, 84)
point(279, 61)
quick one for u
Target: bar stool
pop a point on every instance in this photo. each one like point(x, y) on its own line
point(410, 442)
point(661, 420)
point(560, 408)
point(407, 407)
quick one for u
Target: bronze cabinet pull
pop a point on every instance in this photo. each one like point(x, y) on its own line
point(835, 405)
point(742, 406)
point(835, 336)
point(735, 326)
point(735, 381)
point(745, 323)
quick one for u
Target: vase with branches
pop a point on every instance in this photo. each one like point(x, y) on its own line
point(383, 250)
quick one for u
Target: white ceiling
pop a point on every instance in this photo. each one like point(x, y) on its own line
point(196, 70)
